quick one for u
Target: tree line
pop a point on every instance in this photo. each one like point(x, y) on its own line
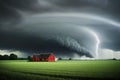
point(8, 57)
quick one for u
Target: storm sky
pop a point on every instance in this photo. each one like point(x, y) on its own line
point(67, 28)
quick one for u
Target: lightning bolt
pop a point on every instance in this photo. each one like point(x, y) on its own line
point(97, 42)
point(95, 35)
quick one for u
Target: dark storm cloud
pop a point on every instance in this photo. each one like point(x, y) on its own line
point(33, 44)
point(9, 9)
point(11, 13)
point(111, 37)
point(95, 6)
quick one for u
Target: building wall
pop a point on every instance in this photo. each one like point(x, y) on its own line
point(35, 58)
point(51, 58)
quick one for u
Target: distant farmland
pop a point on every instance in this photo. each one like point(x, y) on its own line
point(60, 70)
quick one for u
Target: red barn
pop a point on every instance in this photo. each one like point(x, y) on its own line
point(44, 57)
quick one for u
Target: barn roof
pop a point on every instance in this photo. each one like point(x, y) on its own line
point(43, 55)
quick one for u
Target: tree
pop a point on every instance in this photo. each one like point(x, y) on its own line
point(70, 58)
point(29, 58)
point(13, 57)
point(1, 57)
point(5, 57)
point(60, 58)
point(114, 59)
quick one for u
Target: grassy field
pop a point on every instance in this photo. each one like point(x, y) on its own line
point(60, 70)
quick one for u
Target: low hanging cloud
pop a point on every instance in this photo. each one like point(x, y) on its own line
point(73, 45)
point(108, 54)
point(18, 53)
point(103, 54)
point(78, 57)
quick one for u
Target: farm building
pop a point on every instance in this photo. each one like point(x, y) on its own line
point(44, 57)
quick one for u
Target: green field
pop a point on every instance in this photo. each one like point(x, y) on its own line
point(60, 70)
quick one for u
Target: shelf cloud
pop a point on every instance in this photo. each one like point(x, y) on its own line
point(67, 28)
